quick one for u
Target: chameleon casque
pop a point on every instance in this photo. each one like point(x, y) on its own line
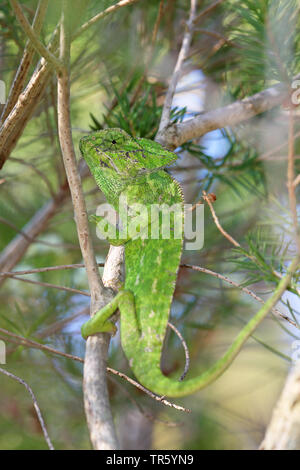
point(134, 168)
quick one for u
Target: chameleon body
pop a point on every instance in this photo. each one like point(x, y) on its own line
point(134, 168)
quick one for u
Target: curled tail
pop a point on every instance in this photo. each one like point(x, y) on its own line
point(154, 380)
point(145, 359)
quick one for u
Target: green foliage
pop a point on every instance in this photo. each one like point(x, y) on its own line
point(240, 168)
point(264, 45)
point(119, 78)
point(134, 110)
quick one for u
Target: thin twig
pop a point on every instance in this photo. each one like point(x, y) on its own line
point(51, 286)
point(31, 34)
point(15, 274)
point(186, 351)
point(146, 414)
point(35, 404)
point(269, 153)
point(216, 35)
point(57, 326)
point(96, 400)
point(244, 289)
point(38, 172)
point(229, 237)
point(230, 115)
point(148, 392)
point(33, 240)
point(14, 124)
point(22, 71)
point(69, 157)
point(15, 250)
point(157, 22)
point(207, 10)
point(33, 344)
point(102, 14)
point(187, 38)
point(216, 220)
point(46, 269)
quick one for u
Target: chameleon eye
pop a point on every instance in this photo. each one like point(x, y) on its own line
point(114, 141)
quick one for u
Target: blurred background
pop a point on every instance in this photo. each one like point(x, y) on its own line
point(120, 72)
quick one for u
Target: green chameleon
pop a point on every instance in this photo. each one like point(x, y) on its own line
point(135, 169)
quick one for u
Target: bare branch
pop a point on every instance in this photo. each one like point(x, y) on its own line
point(15, 274)
point(21, 74)
point(207, 10)
point(148, 392)
point(17, 339)
point(187, 38)
point(99, 417)
point(35, 404)
point(186, 351)
point(269, 153)
point(146, 414)
point(33, 240)
point(17, 119)
point(38, 172)
point(46, 269)
point(52, 286)
point(230, 115)
point(230, 238)
point(69, 157)
point(283, 432)
point(102, 14)
point(244, 289)
point(216, 35)
point(31, 34)
point(216, 220)
point(15, 250)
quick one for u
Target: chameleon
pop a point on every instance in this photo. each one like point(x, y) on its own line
point(135, 169)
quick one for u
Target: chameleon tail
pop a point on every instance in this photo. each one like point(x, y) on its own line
point(162, 385)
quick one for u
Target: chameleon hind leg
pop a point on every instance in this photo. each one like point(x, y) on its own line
point(100, 322)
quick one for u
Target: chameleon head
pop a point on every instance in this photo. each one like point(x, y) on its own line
point(114, 152)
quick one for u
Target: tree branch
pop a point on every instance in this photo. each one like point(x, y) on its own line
point(17, 339)
point(35, 404)
point(243, 289)
point(35, 42)
point(15, 122)
point(21, 74)
point(187, 38)
point(16, 249)
point(102, 14)
point(99, 417)
point(283, 432)
point(235, 113)
point(207, 10)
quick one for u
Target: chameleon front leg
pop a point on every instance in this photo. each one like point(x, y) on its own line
point(100, 323)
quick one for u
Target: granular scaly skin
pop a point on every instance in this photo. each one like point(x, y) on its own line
point(134, 169)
